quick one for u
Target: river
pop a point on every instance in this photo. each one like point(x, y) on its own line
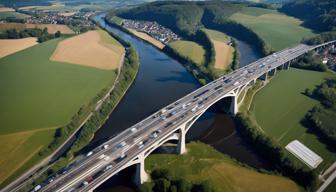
point(160, 81)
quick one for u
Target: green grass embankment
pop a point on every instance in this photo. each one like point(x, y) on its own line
point(278, 30)
point(202, 162)
point(284, 97)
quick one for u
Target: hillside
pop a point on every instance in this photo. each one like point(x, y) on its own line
point(317, 14)
point(268, 29)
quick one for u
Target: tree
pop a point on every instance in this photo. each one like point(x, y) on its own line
point(161, 185)
point(146, 187)
point(58, 34)
point(183, 185)
point(161, 173)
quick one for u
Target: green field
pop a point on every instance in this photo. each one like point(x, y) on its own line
point(224, 52)
point(39, 95)
point(284, 97)
point(216, 35)
point(202, 162)
point(276, 29)
point(4, 15)
point(331, 187)
point(189, 49)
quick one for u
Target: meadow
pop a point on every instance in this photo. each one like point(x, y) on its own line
point(276, 29)
point(190, 50)
point(224, 52)
point(284, 97)
point(103, 51)
point(38, 96)
point(147, 38)
point(10, 46)
point(52, 28)
point(202, 162)
point(5, 14)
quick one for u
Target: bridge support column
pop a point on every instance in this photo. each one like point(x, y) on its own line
point(181, 149)
point(140, 175)
point(287, 65)
point(263, 77)
point(234, 105)
point(272, 72)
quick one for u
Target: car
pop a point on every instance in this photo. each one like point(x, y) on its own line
point(153, 135)
point(108, 167)
point(134, 129)
point(141, 146)
point(105, 146)
point(121, 145)
point(37, 188)
point(89, 154)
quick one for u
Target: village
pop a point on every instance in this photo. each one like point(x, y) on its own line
point(153, 29)
point(329, 57)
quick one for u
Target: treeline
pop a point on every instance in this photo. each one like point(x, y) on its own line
point(322, 118)
point(216, 18)
point(270, 150)
point(321, 38)
point(310, 61)
point(41, 34)
point(162, 181)
point(187, 18)
point(317, 14)
point(182, 17)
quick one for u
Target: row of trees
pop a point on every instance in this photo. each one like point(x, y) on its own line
point(162, 181)
point(321, 38)
point(270, 150)
point(311, 62)
point(322, 117)
point(41, 34)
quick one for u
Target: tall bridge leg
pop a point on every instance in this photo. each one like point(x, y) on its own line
point(273, 72)
point(287, 65)
point(263, 77)
point(140, 175)
point(234, 105)
point(181, 149)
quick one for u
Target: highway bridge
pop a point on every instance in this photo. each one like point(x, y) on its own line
point(133, 145)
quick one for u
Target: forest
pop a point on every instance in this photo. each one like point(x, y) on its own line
point(317, 14)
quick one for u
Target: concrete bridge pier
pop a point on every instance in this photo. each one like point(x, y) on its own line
point(140, 174)
point(264, 76)
point(234, 105)
point(287, 65)
point(181, 149)
point(272, 72)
